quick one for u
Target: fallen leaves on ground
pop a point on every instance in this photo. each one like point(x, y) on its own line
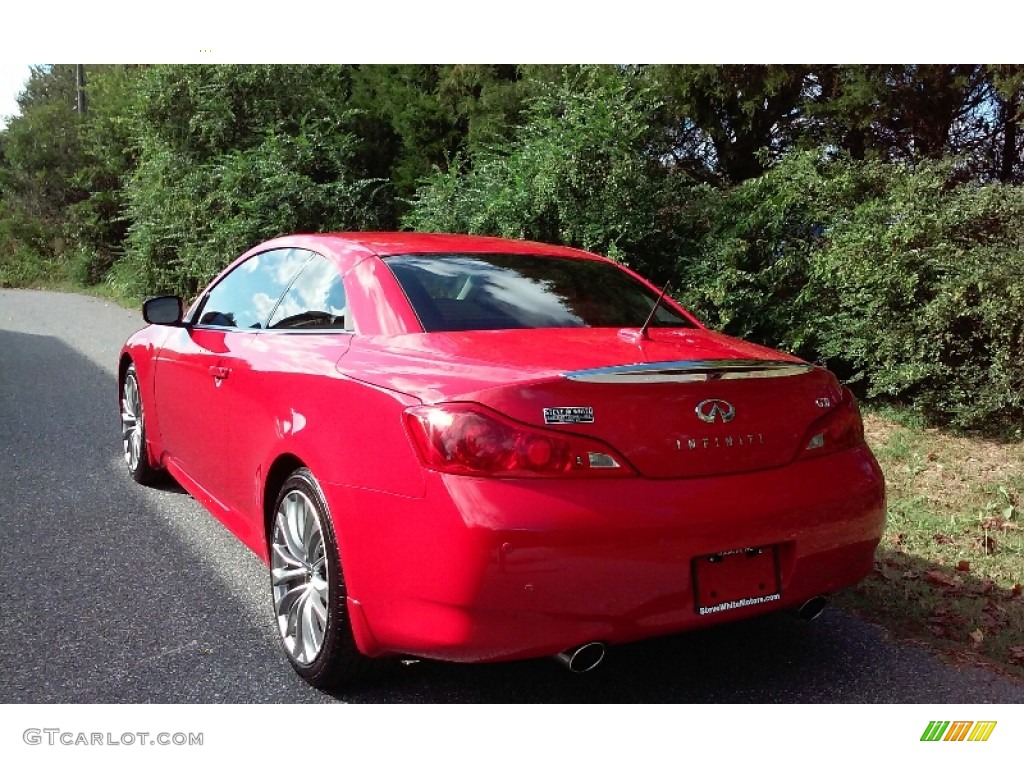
point(949, 567)
point(942, 580)
point(998, 524)
point(994, 615)
point(943, 621)
point(986, 543)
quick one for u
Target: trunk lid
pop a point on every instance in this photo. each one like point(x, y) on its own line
point(683, 419)
point(682, 403)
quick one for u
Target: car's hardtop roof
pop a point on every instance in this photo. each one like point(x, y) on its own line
point(426, 243)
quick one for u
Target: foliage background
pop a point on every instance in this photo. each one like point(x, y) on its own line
point(869, 217)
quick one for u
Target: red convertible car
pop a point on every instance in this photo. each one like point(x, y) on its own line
point(477, 449)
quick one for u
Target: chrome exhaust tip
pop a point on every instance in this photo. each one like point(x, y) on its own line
point(582, 658)
point(813, 608)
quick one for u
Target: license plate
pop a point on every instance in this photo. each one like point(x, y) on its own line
point(728, 580)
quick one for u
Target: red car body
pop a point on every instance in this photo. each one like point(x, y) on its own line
point(699, 522)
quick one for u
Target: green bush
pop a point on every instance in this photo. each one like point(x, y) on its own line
point(25, 250)
point(749, 271)
point(906, 282)
point(97, 223)
point(89, 267)
point(578, 173)
point(921, 292)
point(23, 268)
point(266, 152)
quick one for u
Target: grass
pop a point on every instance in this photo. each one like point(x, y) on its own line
point(950, 566)
point(100, 291)
point(59, 281)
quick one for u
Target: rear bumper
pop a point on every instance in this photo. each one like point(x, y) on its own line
point(483, 569)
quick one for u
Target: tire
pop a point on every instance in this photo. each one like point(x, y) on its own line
point(308, 587)
point(133, 431)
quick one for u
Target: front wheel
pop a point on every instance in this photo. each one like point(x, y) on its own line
point(133, 431)
point(308, 587)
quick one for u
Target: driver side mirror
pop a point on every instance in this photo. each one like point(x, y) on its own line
point(163, 310)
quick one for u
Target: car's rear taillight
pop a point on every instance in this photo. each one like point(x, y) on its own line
point(838, 430)
point(468, 439)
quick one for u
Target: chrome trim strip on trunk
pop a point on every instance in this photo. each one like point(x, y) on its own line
point(683, 371)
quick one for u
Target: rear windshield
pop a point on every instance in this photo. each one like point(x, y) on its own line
point(492, 291)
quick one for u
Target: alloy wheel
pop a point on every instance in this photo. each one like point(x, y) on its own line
point(131, 422)
point(299, 577)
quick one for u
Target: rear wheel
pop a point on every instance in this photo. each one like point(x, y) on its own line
point(308, 587)
point(133, 431)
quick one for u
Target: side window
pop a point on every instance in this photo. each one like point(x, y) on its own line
point(315, 300)
point(247, 295)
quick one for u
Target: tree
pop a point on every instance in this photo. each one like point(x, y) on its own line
point(41, 147)
point(232, 155)
point(735, 117)
point(580, 170)
point(1008, 136)
point(98, 224)
point(40, 158)
point(901, 112)
point(414, 118)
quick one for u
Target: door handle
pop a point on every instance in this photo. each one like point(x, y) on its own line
point(219, 372)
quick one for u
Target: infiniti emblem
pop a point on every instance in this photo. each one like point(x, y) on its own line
point(710, 410)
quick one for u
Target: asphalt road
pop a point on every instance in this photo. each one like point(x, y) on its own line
point(111, 592)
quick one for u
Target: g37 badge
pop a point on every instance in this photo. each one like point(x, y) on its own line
point(576, 414)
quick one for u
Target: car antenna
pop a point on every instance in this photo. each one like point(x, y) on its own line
point(647, 322)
